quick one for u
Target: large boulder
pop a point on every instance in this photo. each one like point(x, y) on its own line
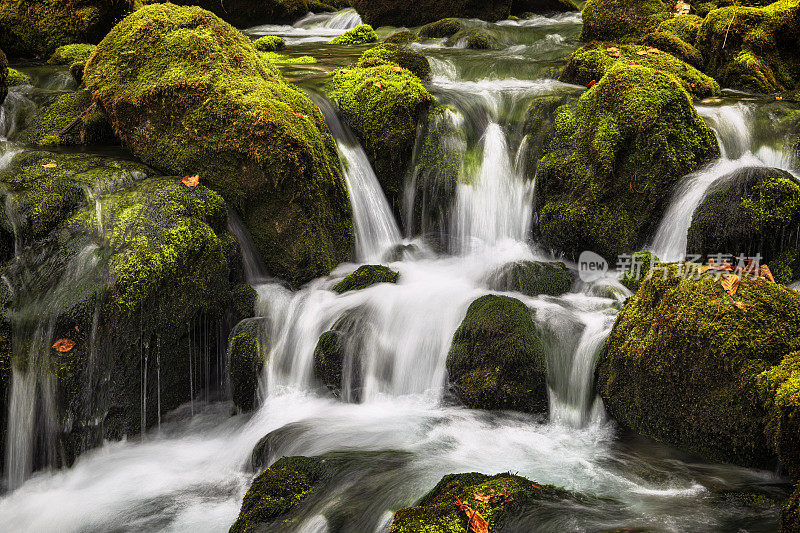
point(132, 278)
point(753, 48)
point(497, 359)
point(532, 278)
point(247, 13)
point(605, 181)
point(366, 276)
point(32, 28)
point(384, 103)
point(189, 94)
point(337, 356)
point(88, 124)
point(687, 366)
point(623, 20)
point(752, 211)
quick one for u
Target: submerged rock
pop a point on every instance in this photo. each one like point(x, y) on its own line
point(475, 39)
point(195, 97)
point(392, 53)
point(361, 34)
point(402, 38)
point(604, 183)
point(497, 360)
point(623, 21)
point(337, 357)
point(45, 126)
point(32, 28)
point(441, 28)
point(685, 366)
point(532, 278)
point(752, 211)
point(246, 349)
point(366, 276)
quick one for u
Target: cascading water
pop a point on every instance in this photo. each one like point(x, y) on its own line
point(319, 27)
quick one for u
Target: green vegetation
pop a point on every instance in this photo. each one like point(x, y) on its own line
point(685, 27)
point(44, 127)
point(790, 515)
point(532, 278)
point(497, 360)
point(246, 349)
point(366, 276)
point(402, 38)
point(391, 53)
point(269, 43)
point(16, 77)
point(622, 21)
point(441, 28)
point(672, 44)
point(643, 265)
point(246, 13)
point(361, 34)
point(71, 53)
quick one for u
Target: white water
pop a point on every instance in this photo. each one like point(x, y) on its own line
point(312, 28)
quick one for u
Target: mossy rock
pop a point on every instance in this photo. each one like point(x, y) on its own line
point(366, 276)
point(779, 388)
point(384, 104)
point(760, 46)
point(539, 126)
point(32, 28)
point(361, 34)
point(337, 356)
point(754, 210)
point(93, 127)
point(259, 141)
point(497, 359)
point(400, 13)
point(4, 82)
point(532, 278)
point(269, 43)
point(15, 78)
point(475, 39)
point(643, 264)
point(672, 44)
point(246, 348)
point(685, 27)
point(525, 7)
point(441, 28)
point(685, 366)
point(402, 38)
point(622, 21)
point(591, 63)
point(392, 53)
point(790, 514)
point(603, 185)
point(276, 58)
point(71, 53)
point(246, 13)
point(438, 512)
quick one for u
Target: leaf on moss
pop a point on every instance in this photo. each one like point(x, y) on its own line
point(50, 165)
point(652, 50)
point(730, 282)
point(739, 305)
point(476, 523)
point(641, 52)
point(397, 69)
point(613, 51)
point(765, 272)
point(378, 84)
point(63, 345)
point(191, 181)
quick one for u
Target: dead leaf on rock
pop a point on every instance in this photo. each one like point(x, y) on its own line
point(378, 84)
point(613, 51)
point(50, 165)
point(652, 50)
point(641, 52)
point(730, 282)
point(63, 345)
point(191, 181)
point(765, 272)
point(397, 69)
point(476, 523)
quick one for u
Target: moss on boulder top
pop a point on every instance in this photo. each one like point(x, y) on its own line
point(603, 184)
point(751, 211)
point(45, 126)
point(71, 53)
point(384, 103)
point(366, 276)
point(441, 28)
point(189, 94)
point(686, 367)
point(685, 27)
point(392, 53)
point(269, 43)
point(497, 360)
point(760, 46)
point(247, 13)
point(591, 62)
point(361, 34)
point(33, 28)
point(532, 278)
point(622, 21)
point(667, 41)
point(402, 38)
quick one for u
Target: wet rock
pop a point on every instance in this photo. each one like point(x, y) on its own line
point(672, 44)
point(361, 34)
point(337, 357)
point(366, 276)
point(246, 359)
point(790, 514)
point(246, 13)
point(497, 359)
point(475, 39)
point(45, 126)
point(623, 21)
point(441, 28)
point(532, 278)
point(71, 53)
point(402, 38)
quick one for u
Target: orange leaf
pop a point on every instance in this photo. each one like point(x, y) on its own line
point(50, 165)
point(592, 84)
point(764, 272)
point(63, 345)
point(476, 522)
point(730, 282)
point(641, 52)
point(191, 181)
point(397, 69)
point(481, 497)
point(652, 50)
point(779, 98)
point(535, 486)
point(378, 84)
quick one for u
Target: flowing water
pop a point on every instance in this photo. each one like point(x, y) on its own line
point(191, 472)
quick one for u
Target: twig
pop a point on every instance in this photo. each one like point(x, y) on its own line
point(77, 119)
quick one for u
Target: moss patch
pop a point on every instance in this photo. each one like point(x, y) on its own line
point(71, 53)
point(246, 13)
point(532, 278)
point(361, 34)
point(672, 44)
point(44, 127)
point(366, 276)
point(269, 43)
point(622, 20)
point(441, 28)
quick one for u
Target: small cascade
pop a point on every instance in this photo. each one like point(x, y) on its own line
point(254, 270)
point(314, 27)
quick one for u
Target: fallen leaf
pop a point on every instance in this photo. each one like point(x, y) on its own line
point(730, 282)
point(764, 272)
point(345, 70)
point(378, 84)
point(63, 345)
point(779, 98)
point(191, 181)
point(397, 69)
point(501, 498)
point(652, 50)
point(481, 497)
point(50, 165)
point(592, 84)
point(613, 51)
point(476, 522)
point(535, 486)
point(739, 305)
point(641, 52)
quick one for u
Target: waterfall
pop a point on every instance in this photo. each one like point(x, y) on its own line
point(314, 27)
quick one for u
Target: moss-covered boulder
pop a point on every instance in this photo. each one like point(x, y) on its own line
point(269, 43)
point(337, 357)
point(392, 53)
point(15, 77)
point(685, 27)
point(45, 126)
point(366, 276)
point(401, 13)
point(33, 28)
point(604, 183)
point(137, 270)
point(591, 63)
point(3, 77)
point(497, 360)
point(790, 514)
point(71, 53)
point(753, 48)
point(441, 28)
point(499, 499)
point(672, 44)
point(540, 125)
point(532, 278)
point(402, 38)
point(361, 34)
point(684, 365)
point(623, 21)
point(247, 348)
point(475, 39)
point(189, 94)
point(384, 103)
point(642, 265)
point(753, 210)
point(247, 13)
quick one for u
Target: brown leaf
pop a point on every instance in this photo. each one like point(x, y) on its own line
point(652, 50)
point(730, 282)
point(378, 84)
point(592, 84)
point(191, 181)
point(641, 52)
point(50, 165)
point(63, 345)
point(476, 523)
point(764, 272)
point(397, 69)
point(613, 51)
point(481, 497)
point(739, 305)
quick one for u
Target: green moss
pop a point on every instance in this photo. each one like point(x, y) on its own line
point(622, 20)
point(497, 360)
point(246, 349)
point(753, 48)
point(475, 39)
point(684, 26)
point(402, 38)
point(682, 364)
point(70, 53)
point(525, 8)
point(44, 127)
point(33, 28)
point(672, 44)
point(391, 53)
point(547, 117)
point(366, 276)
point(259, 141)
point(591, 62)
point(269, 43)
point(602, 187)
point(441, 28)
point(779, 388)
point(246, 13)
point(532, 278)
point(790, 514)
point(282, 59)
point(361, 34)
point(642, 265)
point(16, 77)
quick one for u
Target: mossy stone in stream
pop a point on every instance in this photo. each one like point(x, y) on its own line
point(643, 264)
point(603, 184)
point(384, 103)
point(497, 360)
point(686, 367)
point(685, 27)
point(672, 44)
point(441, 28)
point(475, 39)
point(532, 278)
point(247, 13)
point(15, 77)
point(32, 28)
point(337, 357)
point(361, 34)
point(540, 125)
point(402, 38)
point(392, 53)
point(44, 127)
point(366, 276)
point(622, 21)
point(70, 53)
point(3, 77)
point(591, 62)
point(189, 94)
point(246, 349)
point(269, 43)
point(760, 46)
